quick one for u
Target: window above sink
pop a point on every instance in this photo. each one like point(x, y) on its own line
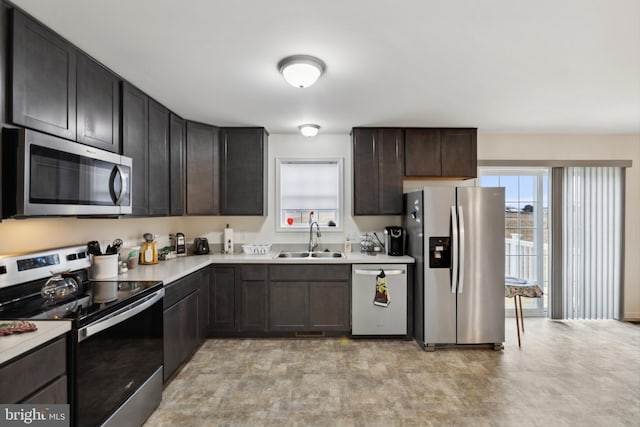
point(309, 185)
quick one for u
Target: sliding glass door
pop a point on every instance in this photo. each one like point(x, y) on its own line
point(526, 228)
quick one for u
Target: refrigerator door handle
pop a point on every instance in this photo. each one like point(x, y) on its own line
point(461, 265)
point(454, 249)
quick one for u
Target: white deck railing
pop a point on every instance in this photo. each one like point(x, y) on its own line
point(521, 258)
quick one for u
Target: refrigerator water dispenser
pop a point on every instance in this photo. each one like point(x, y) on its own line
point(439, 252)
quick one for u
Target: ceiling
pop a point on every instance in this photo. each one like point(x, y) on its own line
point(504, 66)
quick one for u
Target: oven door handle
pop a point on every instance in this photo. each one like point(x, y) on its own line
point(119, 316)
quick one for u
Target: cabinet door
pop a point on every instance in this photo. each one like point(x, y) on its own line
point(390, 171)
point(203, 173)
point(43, 79)
point(242, 177)
point(135, 106)
point(222, 299)
point(180, 322)
point(365, 172)
point(329, 306)
point(203, 304)
point(254, 305)
point(98, 105)
point(459, 153)
point(158, 181)
point(177, 148)
point(172, 347)
point(189, 323)
point(288, 306)
point(28, 374)
point(422, 153)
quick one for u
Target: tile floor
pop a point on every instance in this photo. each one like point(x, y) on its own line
point(567, 373)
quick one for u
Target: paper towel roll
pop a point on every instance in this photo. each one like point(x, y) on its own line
point(228, 240)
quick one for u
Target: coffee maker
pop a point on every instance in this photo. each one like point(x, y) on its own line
point(394, 240)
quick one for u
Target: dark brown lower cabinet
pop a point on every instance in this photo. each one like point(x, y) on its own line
point(329, 306)
point(288, 306)
point(309, 298)
point(253, 298)
point(263, 300)
point(203, 304)
point(180, 332)
point(222, 299)
point(40, 376)
point(185, 314)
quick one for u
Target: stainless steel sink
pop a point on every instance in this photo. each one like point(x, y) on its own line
point(327, 255)
point(285, 254)
point(309, 255)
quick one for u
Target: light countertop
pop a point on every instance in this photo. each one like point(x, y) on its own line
point(172, 270)
point(16, 344)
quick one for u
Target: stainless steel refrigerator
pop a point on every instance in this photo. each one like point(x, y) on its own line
point(456, 235)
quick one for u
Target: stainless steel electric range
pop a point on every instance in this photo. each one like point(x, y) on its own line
point(116, 345)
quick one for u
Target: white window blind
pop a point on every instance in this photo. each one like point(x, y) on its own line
point(592, 237)
point(306, 186)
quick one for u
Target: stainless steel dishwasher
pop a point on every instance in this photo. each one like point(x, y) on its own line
point(368, 318)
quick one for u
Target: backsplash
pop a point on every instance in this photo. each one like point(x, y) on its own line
point(27, 235)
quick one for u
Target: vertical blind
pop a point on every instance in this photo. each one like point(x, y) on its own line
point(592, 242)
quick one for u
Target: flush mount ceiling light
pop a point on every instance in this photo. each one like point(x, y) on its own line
point(309, 129)
point(301, 70)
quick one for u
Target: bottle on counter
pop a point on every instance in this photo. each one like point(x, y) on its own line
point(347, 246)
point(228, 240)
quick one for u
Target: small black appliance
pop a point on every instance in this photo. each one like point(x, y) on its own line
point(201, 246)
point(394, 240)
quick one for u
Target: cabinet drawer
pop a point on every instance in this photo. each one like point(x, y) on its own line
point(27, 374)
point(179, 289)
point(56, 392)
point(310, 272)
point(253, 272)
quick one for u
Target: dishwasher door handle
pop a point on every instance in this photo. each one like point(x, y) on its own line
point(398, 272)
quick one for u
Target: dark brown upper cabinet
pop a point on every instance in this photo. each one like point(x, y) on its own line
point(158, 175)
point(441, 153)
point(459, 153)
point(135, 141)
point(242, 171)
point(145, 138)
point(422, 149)
point(98, 105)
point(43, 78)
point(378, 168)
point(203, 170)
point(177, 171)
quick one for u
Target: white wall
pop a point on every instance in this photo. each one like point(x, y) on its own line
point(34, 234)
point(585, 147)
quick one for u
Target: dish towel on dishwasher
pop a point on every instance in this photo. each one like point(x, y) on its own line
point(382, 291)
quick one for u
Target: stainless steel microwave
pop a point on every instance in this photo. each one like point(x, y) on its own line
point(44, 175)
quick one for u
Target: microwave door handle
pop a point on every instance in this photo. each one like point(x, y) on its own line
point(117, 170)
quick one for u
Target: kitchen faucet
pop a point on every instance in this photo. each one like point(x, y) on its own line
point(312, 244)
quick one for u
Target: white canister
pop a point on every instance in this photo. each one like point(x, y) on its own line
point(104, 267)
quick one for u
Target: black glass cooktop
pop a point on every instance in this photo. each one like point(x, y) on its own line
point(82, 307)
